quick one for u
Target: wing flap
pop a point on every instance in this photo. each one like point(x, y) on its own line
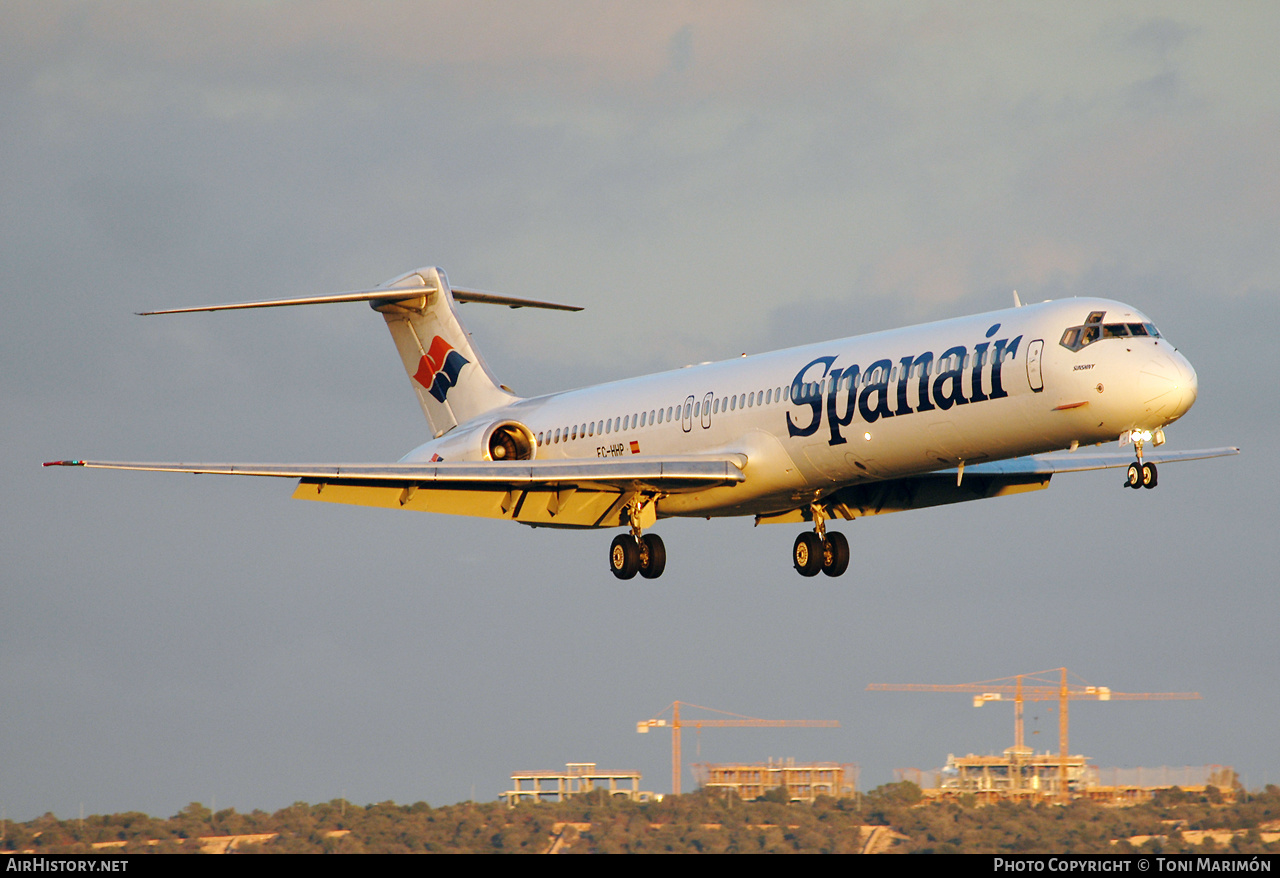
point(541, 507)
point(913, 492)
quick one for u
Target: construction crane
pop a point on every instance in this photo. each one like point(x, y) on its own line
point(738, 721)
point(1037, 687)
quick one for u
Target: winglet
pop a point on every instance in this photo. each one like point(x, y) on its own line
point(1017, 303)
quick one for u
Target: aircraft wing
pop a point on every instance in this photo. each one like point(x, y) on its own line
point(591, 492)
point(1082, 461)
point(980, 481)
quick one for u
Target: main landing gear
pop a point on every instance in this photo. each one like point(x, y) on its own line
point(1140, 474)
point(629, 555)
point(634, 552)
point(820, 550)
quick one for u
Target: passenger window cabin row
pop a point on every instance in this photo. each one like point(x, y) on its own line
point(771, 396)
point(653, 417)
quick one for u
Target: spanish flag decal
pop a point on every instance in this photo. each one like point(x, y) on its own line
point(635, 447)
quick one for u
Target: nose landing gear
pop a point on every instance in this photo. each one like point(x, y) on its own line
point(819, 550)
point(1141, 474)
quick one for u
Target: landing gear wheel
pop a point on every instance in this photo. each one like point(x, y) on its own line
point(624, 556)
point(1149, 475)
point(653, 556)
point(835, 554)
point(806, 554)
point(1133, 478)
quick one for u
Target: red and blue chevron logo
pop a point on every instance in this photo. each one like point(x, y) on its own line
point(439, 367)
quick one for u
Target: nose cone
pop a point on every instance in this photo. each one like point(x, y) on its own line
point(1190, 385)
point(1168, 386)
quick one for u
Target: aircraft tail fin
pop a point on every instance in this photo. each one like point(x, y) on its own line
point(451, 380)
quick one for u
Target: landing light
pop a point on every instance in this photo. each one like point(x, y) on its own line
point(866, 436)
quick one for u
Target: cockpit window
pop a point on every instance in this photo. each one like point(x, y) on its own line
point(1077, 337)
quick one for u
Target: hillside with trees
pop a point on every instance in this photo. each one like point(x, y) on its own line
point(891, 818)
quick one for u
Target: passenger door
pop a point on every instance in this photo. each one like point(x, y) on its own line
point(1034, 376)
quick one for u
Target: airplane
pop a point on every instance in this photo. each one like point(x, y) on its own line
point(962, 409)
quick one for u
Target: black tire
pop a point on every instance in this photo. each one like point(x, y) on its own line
point(806, 554)
point(624, 556)
point(653, 556)
point(1150, 478)
point(835, 554)
point(1133, 478)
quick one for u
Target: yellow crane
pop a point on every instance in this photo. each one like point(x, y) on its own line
point(738, 721)
point(1037, 686)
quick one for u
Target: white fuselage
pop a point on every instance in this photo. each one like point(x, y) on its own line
point(872, 407)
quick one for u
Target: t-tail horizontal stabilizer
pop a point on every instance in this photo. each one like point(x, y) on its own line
point(447, 373)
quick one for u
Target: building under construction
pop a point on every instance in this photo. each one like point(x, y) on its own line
point(802, 783)
point(1022, 774)
point(1019, 771)
point(577, 779)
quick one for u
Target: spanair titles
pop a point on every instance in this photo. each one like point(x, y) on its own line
point(897, 387)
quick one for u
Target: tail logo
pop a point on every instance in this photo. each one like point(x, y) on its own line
point(438, 370)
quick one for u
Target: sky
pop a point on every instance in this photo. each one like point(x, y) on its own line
point(707, 179)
